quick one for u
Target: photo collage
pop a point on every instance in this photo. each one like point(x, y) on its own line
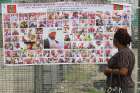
point(61, 37)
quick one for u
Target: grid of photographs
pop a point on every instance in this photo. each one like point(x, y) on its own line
point(61, 37)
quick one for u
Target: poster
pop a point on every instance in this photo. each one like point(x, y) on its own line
point(61, 33)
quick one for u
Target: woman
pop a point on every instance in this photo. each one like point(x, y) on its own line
point(121, 65)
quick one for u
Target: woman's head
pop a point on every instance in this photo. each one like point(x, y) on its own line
point(121, 38)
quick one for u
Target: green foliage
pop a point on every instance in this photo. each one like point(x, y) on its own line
point(77, 74)
point(5, 1)
point(94, 91)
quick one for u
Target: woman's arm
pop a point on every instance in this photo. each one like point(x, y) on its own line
point(121, 71)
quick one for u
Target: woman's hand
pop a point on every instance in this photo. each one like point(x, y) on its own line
point(108, 71)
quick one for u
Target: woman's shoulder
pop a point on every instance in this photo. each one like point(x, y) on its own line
point(125, 52)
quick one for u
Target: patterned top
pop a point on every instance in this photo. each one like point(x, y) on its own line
point(123, 58)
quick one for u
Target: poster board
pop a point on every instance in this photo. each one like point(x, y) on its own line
point(61, 33)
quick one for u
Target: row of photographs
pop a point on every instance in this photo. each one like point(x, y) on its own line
point(68, 15)
point(39, 44)
point(65, 23)
point(66, 37)
point(95, 60)
point(61, 53)
point(75, 30)
point(40, 34)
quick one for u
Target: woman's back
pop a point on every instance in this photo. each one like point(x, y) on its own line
point(123, 59)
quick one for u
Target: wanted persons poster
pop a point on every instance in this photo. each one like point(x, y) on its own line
point(61, 33)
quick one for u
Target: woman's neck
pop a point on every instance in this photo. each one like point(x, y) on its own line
point(121, 47)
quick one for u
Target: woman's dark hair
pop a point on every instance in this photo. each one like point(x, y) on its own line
point(122, 36)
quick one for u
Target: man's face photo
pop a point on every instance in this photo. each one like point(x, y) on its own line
point(53, 39)
point(52, 35)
